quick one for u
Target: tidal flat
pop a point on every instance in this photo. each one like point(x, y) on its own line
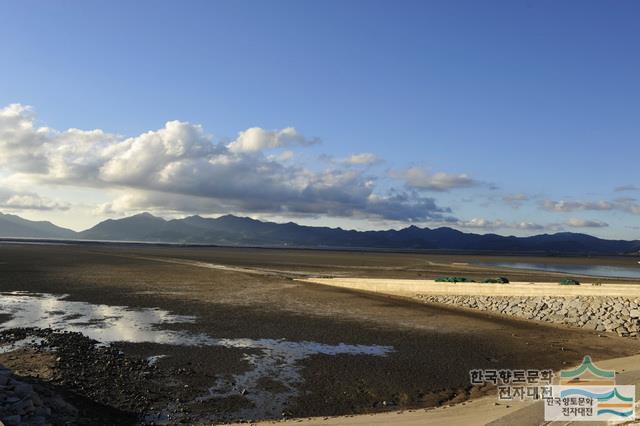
point(210, 334)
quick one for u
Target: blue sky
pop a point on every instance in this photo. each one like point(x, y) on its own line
point(528, 109)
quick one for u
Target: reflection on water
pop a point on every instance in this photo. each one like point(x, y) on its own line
point(590, 270)
point(103, 323)
point(29, 341)
point(275, 359)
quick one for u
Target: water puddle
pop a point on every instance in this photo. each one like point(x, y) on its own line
point(103, 323)
point(27, 342)
point(274, 360)
point(278, 360)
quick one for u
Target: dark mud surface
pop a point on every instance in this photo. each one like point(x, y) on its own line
point(433, 347)
point(110, 386)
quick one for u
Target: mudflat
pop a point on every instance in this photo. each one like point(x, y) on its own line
point(235, 294)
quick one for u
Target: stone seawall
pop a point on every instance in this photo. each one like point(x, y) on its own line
point(608, 314)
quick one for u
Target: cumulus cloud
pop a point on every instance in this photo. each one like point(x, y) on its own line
point(391, 206)
point(628, 205)
point(420, 179)
point(10, 200)
point(487, 224)
point(21, 144)
point(569, 206)
point(181, 167)
point(584, 223)
point(364, 158)
point(515, 200)
point(283, 156)
point(256, 139)
point(490, 225)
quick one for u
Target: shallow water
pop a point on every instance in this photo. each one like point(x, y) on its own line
point(590, 270)
point(103, 323)
point(276, 359)
point(29, 341)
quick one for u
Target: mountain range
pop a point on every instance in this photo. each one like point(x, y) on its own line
point(12, 226)
point(242, 231)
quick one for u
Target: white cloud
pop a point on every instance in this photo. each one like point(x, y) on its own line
point(16, 201)
point(628, 205)
point(515, 200)
point(364, 158)
point(569, 206)
point(490, 225)
point(283, 156)
point(584, 223)
point(181, 167)
point(418, 178)
point(21, 144)
point(487, 224)
point(481, 223)
point(257, 139)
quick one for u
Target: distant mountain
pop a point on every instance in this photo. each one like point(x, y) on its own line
point(242, 231)
point(141, 227)
point(12, 226)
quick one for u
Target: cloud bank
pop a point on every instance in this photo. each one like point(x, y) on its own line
point(16, 201)
point(180, 167)
point(490, 225)
point(487, 225)
point(627, 205)
point(420, 179)
point(585, 223)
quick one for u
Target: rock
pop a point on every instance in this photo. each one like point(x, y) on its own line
point(37, 420)
point(24, 406)
point(23, 389)
point(611, 314)
point(12, 420)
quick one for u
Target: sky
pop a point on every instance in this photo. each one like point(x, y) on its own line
point(511, 117)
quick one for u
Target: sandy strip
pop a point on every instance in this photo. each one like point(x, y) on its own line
point(412, 287)
point(207, 265)
point(477, 412)
point(219, 266)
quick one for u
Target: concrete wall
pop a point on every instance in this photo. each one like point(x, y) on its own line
point(413, 287)
point(607, 307)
